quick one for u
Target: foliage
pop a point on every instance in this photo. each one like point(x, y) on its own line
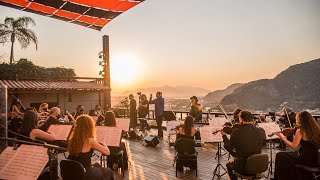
point(26, 69)
point(17, 29)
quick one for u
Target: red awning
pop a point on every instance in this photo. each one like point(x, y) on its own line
point(94, 14)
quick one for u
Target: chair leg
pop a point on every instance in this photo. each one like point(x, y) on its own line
point(122, 168)
point(176, 170)
point(196, 168)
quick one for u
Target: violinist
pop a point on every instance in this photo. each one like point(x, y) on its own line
point(82, 142)
point(43, 109)
point(236, 113)
point(286, 114)
point(246, 140)
point(54, 116)
point(15, 108)
point(308, 136)
point(187, 130)
point(97, 110)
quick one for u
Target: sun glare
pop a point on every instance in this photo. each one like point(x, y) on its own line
point(125, 69)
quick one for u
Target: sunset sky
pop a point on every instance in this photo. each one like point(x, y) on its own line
point(200, 43)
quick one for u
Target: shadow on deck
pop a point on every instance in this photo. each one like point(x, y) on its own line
point(157, 162)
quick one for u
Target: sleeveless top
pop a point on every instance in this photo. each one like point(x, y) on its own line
point(83, 158)
point(308, 154)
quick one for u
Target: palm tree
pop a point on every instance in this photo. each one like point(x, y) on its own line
point(18, 29)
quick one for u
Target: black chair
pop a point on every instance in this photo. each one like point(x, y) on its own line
point(255, 166)
point(71, 170)
point(186, 154)
point(114, 166)
point(315, 171)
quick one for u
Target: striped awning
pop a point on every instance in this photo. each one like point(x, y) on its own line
point(48, 85)
point(94, 14)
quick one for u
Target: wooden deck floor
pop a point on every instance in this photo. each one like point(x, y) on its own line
point(156, 162)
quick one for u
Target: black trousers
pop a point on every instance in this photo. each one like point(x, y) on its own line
point(133, 119)
point(159, 121)
point(238, 165)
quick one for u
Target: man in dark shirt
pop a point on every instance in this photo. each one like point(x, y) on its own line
point(133, 111)
point(53, 118)
point(247, 140)
point(158, 109)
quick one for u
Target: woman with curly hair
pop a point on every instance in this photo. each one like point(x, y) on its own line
point(308, 136)
point(81, 144)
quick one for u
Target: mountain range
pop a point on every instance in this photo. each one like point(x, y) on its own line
point(168, 91)
point(297, 87)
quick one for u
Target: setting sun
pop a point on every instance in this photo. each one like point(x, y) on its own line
point(124, 68)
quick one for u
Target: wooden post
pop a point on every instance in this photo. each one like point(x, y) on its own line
point(106, 70)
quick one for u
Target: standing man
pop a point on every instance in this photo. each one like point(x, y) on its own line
point(133, 111)
point(158, 108)
point(196, 109)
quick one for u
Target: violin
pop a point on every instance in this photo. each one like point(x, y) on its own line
point(286, 132)
point(227, 128)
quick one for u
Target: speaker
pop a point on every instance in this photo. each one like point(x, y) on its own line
point(152, 140)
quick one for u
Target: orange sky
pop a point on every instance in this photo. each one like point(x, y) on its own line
point(211, 44)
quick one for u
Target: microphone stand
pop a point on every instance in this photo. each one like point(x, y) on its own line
point(51, 153)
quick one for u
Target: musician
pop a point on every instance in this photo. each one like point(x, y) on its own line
point(308, 136)
point(133, 111)
point(247, 140)
point(81, 145)
point(43, 109)
point(187, 130)
point(79, 111)
point(97, 110)
point(196, 109)
point(54, 116)
point(110, 120)
point(15, 108)
point(143, 110)
point(284, 119)
point(30, 128)
point(158, 109)
point(236, 113)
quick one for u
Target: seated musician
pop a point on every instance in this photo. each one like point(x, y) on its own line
point(247, 140)
point(110, 120)
point(43, 109)
point(187, 130)
point(80, 111)
point(196, 109)
point(30, 128)
point(236, 113)
point(285, 113)
point(97, 110)
point(81, 145)
point(15, 108)
point(308, 136)
point(53, 118)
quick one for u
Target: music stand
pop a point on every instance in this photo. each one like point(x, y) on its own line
point(217, 171)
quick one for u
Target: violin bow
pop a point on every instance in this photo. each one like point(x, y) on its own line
point(225, 113)
point(285, 110)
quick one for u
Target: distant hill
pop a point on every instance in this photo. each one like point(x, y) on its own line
point(168, 91)
point(216, 96)
point(297, 87)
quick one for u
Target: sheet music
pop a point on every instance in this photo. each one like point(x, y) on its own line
point(110, 136)
point(123, 123)
point(61, 132)
point(172, 125)
point(25, 163)
point(270, 128)
point(218, 121)
point(207, 135)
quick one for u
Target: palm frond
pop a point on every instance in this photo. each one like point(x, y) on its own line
point(26, 36)
point(23, 22)
point(9, 21)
